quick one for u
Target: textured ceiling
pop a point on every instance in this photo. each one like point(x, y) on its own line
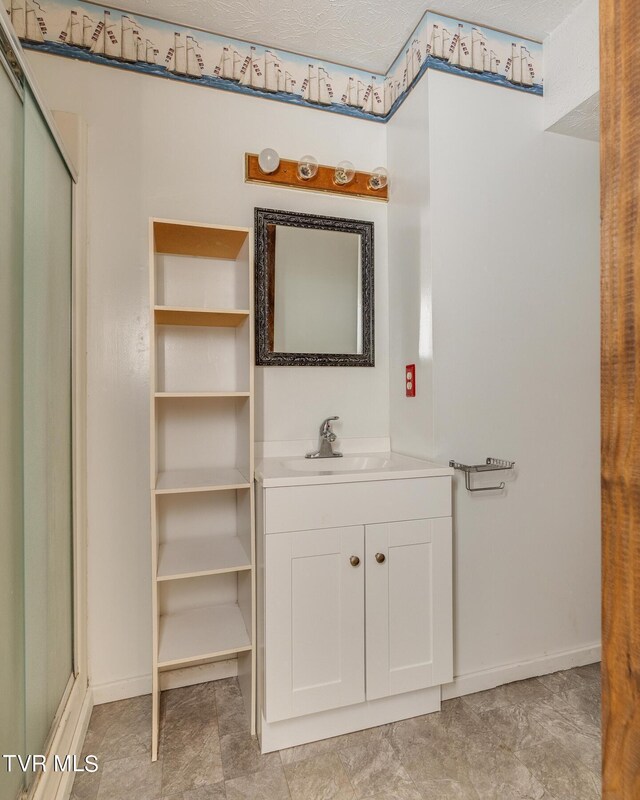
point(361, 33)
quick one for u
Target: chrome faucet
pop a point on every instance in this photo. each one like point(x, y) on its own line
point(327, 437)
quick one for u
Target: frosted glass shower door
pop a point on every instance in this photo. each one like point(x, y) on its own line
point(11, 551)
point(48, 524)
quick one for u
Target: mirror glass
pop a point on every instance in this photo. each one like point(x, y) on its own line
point(314, 290)
point(317, 289)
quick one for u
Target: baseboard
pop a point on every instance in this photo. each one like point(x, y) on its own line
point(175, 679)
point(66, 784)
point(508, 673)
point(67, 740)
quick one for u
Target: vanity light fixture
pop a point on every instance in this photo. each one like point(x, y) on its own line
point(344, 174)
point(268, 168)
point(379, 179)
point(269, 160)
point(307, 168)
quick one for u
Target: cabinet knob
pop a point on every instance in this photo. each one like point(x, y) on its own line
point(380, 558)
point(354, 561)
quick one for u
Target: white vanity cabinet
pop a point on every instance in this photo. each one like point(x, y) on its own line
point(355, 602)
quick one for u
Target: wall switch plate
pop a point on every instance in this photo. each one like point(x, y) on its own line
point(410, 380)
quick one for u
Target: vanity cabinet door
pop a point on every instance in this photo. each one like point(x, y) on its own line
point(314, 621)
point(409, 627)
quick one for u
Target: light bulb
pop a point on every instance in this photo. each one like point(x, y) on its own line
point(344, 174)
point(307, 168)
point(268, 160)
point(379, 179)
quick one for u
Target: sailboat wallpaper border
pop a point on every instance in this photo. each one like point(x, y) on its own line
point(103, 35)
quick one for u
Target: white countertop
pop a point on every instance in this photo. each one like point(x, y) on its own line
point(352, 468)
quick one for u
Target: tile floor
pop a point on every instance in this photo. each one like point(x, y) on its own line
point(537, 739)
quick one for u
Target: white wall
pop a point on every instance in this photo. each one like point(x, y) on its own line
point(161, 148)
point(494, 295)
point(572, 69)
point(515, 292)
point(410, 295)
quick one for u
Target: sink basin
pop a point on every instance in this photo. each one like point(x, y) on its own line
point(344, 464)
point(351, 468)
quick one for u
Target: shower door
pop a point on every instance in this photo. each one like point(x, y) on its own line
point(36, 508)
point(48, 523)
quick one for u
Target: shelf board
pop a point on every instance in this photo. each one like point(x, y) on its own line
point(191, 558)
point(174, 481)
point(205, 241)
point(201, 633)
point(200, 317)
point(161, 395)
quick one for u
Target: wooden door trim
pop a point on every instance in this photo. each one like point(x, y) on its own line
point(620, 284)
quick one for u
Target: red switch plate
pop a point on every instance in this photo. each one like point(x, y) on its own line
point(410, 379)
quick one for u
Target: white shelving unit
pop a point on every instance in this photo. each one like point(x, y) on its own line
point(202, 503)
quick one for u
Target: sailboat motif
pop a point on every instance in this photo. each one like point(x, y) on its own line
point(494, 63)
point(184, 58)
point(232, 64)
point(252, 72)
point(528, 72)
point(27, 18)
point(104, 41)
point(388, 94)
point(316, 87)
point(439, 43)
point(78, 32)
point(519, 68)
point(413, 58)
point(459, 55)
point(478, 50)
point(128, 38)
point(289, 83)
point(349, 98)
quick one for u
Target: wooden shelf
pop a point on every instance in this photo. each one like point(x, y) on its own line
point(191, 558)
point(192, 239)
point(160, 395)
point(200, 317)
point(201, 633)
point(200, 480)
point(211, 571)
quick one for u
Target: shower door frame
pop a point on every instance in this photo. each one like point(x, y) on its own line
point(72, 718)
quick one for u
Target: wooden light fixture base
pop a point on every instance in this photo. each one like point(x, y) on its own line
point(287, 176)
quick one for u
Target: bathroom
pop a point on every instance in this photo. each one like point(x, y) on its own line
point(476, 306)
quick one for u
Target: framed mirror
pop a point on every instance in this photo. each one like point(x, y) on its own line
point(314, 290)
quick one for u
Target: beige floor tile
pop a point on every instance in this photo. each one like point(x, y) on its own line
point(321, 778)
point(120, 730)
point(232, 713)
point(241, 755)
point(508, 695)
point(268, 784)
point(516, 726)
point(580, 706)
point(562, 681)
point(304, 751)
point(85, 786)
point(134, 777)
point(463, 752)
point(560, 772)
point(374, 768)
point(215, 792)
point(590, 674)
point(191, 762)
point(497, 774)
